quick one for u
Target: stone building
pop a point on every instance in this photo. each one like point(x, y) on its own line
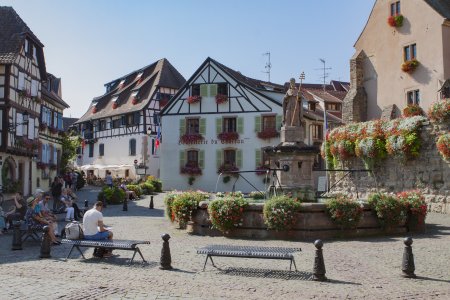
point(401, 57)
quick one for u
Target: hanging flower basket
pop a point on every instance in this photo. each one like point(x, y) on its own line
point(395, 21)
point(115, 105)
point(410, 66)
point(228, 136)
point(191, 170)
point(194, 99)
point(191, 138)
point(221, 98)
point(268, 134)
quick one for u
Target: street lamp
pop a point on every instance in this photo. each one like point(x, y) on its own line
point(25, 119)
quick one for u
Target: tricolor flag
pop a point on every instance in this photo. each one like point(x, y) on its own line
point(158, 138)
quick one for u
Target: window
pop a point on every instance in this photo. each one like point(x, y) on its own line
point(114, 99)
point(222, 89)
point(395, 8)
point(317, 131)
point(34, 53)
point(192, 158)
point(195, 90)
point(312, 106)
point(229, 125)
point(409, 52)
point(21, 85)
point(91, 150)
point(132, 147)
point(34, 88)
point(413, 97)
point(101, 149)
point(269, 123)
point(156, 118)
point(229, 157)
point(116, 123)
point(26, 46)
point(102, 125)
point(333, 106)
point(445, 92)
point(193, 126)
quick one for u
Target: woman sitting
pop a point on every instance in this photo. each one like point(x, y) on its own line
point(130, 195)
point(70, 211)
point(18, 211)
point(35, 220)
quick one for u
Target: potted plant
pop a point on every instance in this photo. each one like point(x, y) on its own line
point(344, 211)
point(395, 21)
point(443, 145)
point(226, 213)
point(94, 109)
point(134, 101)
point(191, 170)
point(280, 213)
point(115, 105)
point(414, 202)
point(228, 136)
point(410, 66)
point(389, 210)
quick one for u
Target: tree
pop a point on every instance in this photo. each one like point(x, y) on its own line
point(70, 143)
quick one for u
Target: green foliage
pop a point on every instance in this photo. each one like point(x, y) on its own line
point(257, 195)
point(280, 212)
point(112, 195)
point(168, 200)
point(183, 205)
point(136, 188)
point(157, 184)
point(69, 143)
point(147, 188)
point(344, 211)
point(226, 213)
point(388, 208)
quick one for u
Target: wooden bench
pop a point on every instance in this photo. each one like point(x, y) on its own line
point(249, 252)
point(111, 245)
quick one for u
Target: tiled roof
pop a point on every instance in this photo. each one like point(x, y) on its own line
point(158, 74)
point(339, 86)
point(53, 96)
point(326, 96)
point(12, 34)
point(67, 122)
point(318, 116)
point(441, 6)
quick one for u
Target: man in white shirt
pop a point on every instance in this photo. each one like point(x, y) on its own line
point(93, 226)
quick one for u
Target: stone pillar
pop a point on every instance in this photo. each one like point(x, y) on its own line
point(354, 107)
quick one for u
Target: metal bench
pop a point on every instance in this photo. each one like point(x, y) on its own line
point(112, 245)
point(249, 252)
point(28, 232)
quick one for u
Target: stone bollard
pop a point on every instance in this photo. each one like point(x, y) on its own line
point(408, 266)
point(86, 204)
point(17, 237)
point(166, 259)
point(151, 203)
point(125, 204)
point(45, 243)
point(319, 264)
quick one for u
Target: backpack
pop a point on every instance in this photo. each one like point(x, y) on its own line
point(74, 231)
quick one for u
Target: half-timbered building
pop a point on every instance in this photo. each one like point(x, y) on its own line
point(22, 70)
point(120, 127)
point(220, 120)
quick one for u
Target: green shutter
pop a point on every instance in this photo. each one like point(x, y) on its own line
point(218, 158)
point(278, 122)
point(201, 159)
point(240, 125)
point(239, 158)
point(202, 126)
point(218, 125)
point(182, 127)
point(258, 123)
point(203, 90)
point(257, 157)
point(182, 158)
point(213, 90)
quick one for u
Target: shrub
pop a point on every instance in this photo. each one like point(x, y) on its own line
point(147, 188)
point(280, 212)
point(344, 211)
point(226, 213)
point(168, 200)
point(183, 205)
point(443, 145)
point(440, 111)
point(414, 202)
point(257, 195)
point(156, 182)
point(112, 195)
point(389, 209)
point(136, 188)
point(412, 110)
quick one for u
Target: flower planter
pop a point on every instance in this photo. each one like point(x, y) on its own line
point(221, 98)
point(415, 223)
point(191, 138)
point(395, 21)
point(410, 66)
point(115, 105)
point(228, 136)
point(191, 170)
point(194, 99)
point(268, 134)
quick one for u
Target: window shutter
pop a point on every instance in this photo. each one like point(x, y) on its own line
point(31, 128)
point(34, 88)
point(218, 125)
point(278, 122)
point(257, 157)
point(19, 128)
point(201, 159)
point(21, 85)
point(51, 154)
point(203, 90)
point(202, 126)
point(239, 158)
point(55, 119)
point(258, 123)
point(55, 155)
point(182, 158)
point(182, 127)
point(218, 158)
point(240, 125)
point(213, 90)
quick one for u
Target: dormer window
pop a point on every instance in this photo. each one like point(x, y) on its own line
point(134, 94)
point(121, 84)
point(26, 46)
point(114, 99)
point(395, 9)
point(94, 103)
point(139, 76)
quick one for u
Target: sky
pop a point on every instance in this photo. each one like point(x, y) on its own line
point(91, 42)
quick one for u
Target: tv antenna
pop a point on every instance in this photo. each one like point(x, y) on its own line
point(268, 65)
point(325, 74)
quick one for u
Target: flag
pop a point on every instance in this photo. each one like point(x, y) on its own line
point(158, 138)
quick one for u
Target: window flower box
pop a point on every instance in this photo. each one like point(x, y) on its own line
point(227, 168)
point(191, 138)
point(268, 134)
point(194, 99)
point(410, 66)
point(221, 98)
point(228, 136)
point(395, 21)
point(412, 110)
point(42, 126)
point(37, 99)
point(53, 130)
point(191, 170)
point(24, 93)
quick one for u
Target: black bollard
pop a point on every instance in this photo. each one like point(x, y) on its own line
point(125, 204)
point(86, 204)
point(319, 264)
point(408, 266)
point(151, 202)
point(45, 243)
point(17, 237)
point(166, 259)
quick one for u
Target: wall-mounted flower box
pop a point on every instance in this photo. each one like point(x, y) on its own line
point(395, 21)
point(410, 65)
point(412, 110)
point(443, 145)
point(194, 99)
point(227, 168)
point(37, 99)
point(228, 136)
point(24, 93)
point(191, 138)
point(42, 126)
point(268, 134)
point(191, 170)
point(221, 98)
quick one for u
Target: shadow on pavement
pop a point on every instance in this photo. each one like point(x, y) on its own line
point(117, 260)
point(431, 279)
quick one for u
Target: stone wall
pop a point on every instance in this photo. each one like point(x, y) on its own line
point(429, 172)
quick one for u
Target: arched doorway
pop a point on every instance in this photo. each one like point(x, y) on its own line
point(9, 181)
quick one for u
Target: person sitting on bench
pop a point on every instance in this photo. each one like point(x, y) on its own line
point(129, 194)
point(18, 211)
point(35, 220)
point(94, 229)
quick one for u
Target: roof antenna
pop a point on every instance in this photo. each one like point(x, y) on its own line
point(325, 74)
point(268, 65)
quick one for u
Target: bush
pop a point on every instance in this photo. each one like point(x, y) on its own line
point(136, 188)
point(389, 209)
point(81, 181)
point(147, 188)
point(226, 213)
point(183, 205)
point(440, 111)
point(280, 212)
point(344, 211)
point(168, 200)
point(414, 202)
point(443, 145)
point(412, 110)
point(112, 195)
point(157, 184)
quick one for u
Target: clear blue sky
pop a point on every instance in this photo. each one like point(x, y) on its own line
point(91, 42)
